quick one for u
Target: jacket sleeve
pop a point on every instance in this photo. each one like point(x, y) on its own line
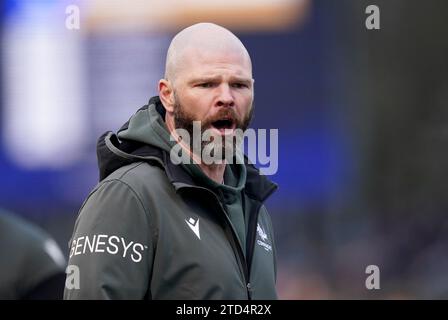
point(111, 248)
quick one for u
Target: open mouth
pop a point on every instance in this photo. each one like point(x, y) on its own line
point(223, 124)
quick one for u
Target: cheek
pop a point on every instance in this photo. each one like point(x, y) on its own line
point(197, 105)
point(245, 102)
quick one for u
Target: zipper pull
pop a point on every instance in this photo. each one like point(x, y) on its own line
point(249, 290)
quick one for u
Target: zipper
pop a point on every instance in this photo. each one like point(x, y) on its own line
point(231, 234)
point(235, 243)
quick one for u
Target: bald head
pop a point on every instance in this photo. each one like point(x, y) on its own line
point(202, 39)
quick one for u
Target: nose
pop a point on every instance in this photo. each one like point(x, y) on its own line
point(225, 98)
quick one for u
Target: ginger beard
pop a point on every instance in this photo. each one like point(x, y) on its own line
point(225, 119)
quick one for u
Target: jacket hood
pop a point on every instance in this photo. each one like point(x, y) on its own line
point(144, 138)
point(147, 126)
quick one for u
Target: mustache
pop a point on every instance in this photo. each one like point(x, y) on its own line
point(225, 113)
point(183, 119)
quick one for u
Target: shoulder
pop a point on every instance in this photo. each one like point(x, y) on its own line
point(138, 176)
point(21, 232)
point(33, 255)
point(126, 191)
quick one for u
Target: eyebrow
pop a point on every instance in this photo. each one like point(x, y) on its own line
point(218, 78)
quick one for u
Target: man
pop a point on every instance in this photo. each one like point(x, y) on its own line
point(32, 265)
point(154, 229)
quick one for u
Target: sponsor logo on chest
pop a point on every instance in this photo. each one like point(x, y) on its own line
point(263, 237)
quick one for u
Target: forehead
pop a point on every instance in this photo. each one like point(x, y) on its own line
point(202, 62)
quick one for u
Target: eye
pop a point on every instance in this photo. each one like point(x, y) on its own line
point(205, 85)
point(239, 85)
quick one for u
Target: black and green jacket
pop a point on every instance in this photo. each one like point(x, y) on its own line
point(155, 230)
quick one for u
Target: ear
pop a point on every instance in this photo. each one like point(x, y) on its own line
point(166, 94)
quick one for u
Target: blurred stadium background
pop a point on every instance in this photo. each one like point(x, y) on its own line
point(362, 118)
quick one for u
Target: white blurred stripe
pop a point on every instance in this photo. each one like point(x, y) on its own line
point(44, 112)
point(53, 250)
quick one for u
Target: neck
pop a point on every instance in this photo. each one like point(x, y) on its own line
point(214, 171)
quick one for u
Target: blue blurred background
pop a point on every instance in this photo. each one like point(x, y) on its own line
point(362, 118)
